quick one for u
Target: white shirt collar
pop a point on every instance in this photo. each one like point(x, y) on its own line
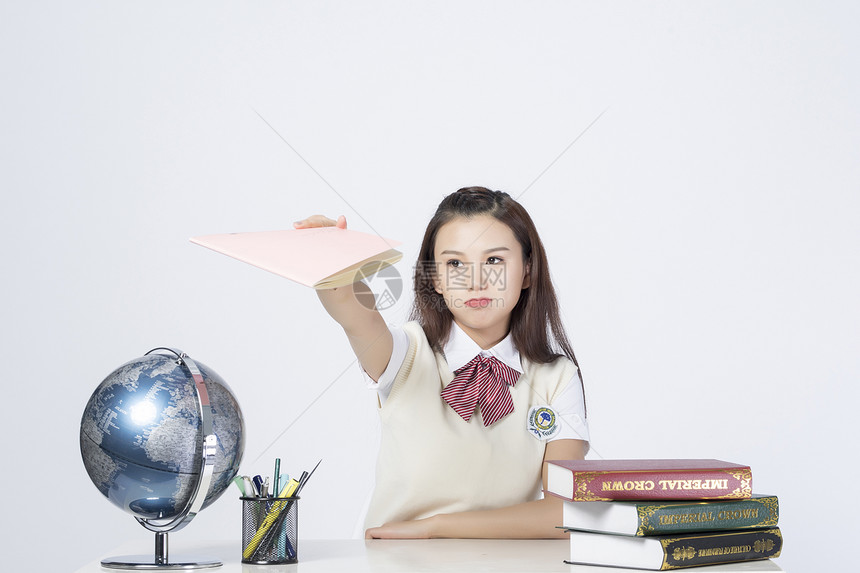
point(460, 349)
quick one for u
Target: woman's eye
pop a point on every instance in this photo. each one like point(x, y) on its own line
point(494, 261)
point(454, 263)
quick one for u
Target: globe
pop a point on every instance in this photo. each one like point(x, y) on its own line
point(142, 435)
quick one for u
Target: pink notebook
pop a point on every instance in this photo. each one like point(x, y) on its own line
point(322, 257)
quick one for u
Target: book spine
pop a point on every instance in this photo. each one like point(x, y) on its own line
point(693, 550)
point(756, 512)
point(735, 483)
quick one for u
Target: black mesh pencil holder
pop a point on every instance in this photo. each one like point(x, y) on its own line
point(270, 530)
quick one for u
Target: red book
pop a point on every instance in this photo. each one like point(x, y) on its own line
point(608, 480)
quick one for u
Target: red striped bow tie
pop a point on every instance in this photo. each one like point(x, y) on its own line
point(483, 382)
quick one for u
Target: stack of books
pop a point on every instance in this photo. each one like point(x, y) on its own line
point(663, 514)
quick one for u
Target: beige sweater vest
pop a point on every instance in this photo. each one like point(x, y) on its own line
point(432, 461)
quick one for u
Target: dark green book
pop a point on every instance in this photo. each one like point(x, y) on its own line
point(674, 551)
point(669, 517)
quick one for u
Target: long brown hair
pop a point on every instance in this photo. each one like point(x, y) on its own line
point(536, 327)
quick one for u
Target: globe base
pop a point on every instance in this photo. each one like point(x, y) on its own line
point(147, 563)
point(158, 561)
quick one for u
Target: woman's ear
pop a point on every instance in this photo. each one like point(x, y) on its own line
point(527, 274)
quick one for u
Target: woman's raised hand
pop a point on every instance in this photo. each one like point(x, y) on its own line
point(320, 221)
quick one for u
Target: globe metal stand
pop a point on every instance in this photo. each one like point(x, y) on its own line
point(160, 561)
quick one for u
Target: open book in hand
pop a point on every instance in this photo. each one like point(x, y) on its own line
point(320, 257)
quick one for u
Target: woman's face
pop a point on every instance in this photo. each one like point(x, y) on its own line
point(480, 275)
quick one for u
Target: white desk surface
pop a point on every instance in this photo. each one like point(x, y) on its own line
point(404, 556)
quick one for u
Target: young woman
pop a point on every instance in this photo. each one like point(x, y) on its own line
point(479, 389)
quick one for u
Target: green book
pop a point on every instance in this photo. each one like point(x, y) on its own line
point(669, 517)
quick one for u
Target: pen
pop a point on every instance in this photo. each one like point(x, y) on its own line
point(249, 487)
point(240, 483)
point(284, 489)
point(258, 485)
point(277, 475)
point(306, 478)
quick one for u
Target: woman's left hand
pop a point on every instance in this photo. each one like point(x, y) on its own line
point(417, 529)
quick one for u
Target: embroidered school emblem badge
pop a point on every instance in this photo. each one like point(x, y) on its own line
point(542, 422)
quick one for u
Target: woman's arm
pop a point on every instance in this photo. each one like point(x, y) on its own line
point(364, 327)
point(537, 519)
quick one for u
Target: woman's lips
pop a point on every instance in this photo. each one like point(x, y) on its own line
point(478, 302)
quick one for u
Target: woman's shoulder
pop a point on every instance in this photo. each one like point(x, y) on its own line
point(413, 328)
point(561, 366)
point(552, 379)
point(415, 333)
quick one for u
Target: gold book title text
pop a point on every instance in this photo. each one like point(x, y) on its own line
point(706, 516)
point(666, 485)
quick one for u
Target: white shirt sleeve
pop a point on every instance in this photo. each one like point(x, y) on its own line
point(398, 355)
point(570, 408)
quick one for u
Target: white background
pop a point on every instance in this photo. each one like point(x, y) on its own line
point(702, 231)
